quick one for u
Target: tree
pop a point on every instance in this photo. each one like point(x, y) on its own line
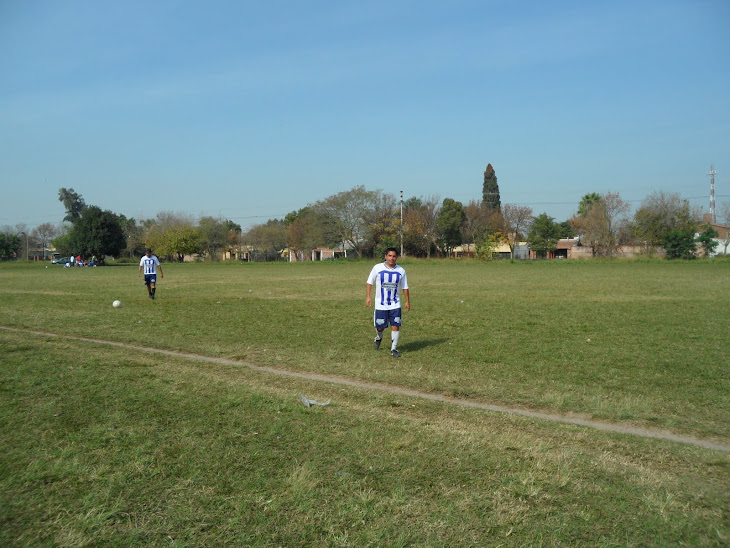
point(707, 240)
point(384, 221)
point(172, 235)
point(544, 235)
point(62, 242)
point(9, 244)
point(517, 220)
point(309, 228)
point(450, 218)
point(97, 233)
point(134, 235)
point(479, 221)
point(44, 234)
point(566, 229)
point(586, 202)
point(661, 213)
point(420, 225)
point(679, 244)
point(603, 222)
point(213, 235)
point(490, 189)
point(351, 209)
point(73, 202)
point(268, 239)
point(233, 236)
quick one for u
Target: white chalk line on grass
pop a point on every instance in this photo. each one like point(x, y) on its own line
point(343, 381)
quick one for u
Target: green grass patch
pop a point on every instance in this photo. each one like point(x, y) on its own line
point(643, 342)
point(120, 448)
point(111, 446)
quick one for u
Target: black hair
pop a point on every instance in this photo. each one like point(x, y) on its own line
point(391, 249)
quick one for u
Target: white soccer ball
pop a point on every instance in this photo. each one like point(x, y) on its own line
point(117, 304)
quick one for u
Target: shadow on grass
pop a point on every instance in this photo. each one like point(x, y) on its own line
point(415, 346)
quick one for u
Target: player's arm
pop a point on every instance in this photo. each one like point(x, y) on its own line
point(139, 273)
point(368, 290)
point(407, 295)
point(159, 267)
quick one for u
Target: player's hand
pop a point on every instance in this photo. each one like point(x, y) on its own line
point(368, 302)
point(408, 307)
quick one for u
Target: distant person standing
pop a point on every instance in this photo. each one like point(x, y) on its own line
point(388, 279)
point(150, 263)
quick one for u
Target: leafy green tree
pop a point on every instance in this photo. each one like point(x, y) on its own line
point(73, 203)
point(490, 189)
point(450, 218)
point(10, 244)
point(213, 235)
point(661, 213)
point(679, 244)
point(587, 201)
point(544, 235)
point(172, 235)
point(566, 230)
point(173, 240)
point(707, 240)
point(97, 233)
point(63, 243)
point(486, 250)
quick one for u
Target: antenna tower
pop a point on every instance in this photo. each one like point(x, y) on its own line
point(712, 173)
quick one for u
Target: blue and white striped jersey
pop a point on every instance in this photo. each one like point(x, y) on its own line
point(387, 283)
point(150, 264)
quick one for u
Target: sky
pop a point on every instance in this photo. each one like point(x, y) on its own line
point(249, 110)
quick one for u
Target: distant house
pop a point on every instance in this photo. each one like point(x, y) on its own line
point(464, 250)
point(723, 235)
point(316, 254)
point(566, 248)
point(502, 251)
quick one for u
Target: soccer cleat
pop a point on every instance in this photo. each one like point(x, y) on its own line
point(395, 353)
point(376, 343)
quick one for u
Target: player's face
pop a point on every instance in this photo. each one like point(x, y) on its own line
point(390, 258)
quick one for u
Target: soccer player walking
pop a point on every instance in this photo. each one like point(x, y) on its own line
point(388, 279)
point(150, 263)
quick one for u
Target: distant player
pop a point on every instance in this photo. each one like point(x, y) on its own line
point(150, 263)
point(388, 279)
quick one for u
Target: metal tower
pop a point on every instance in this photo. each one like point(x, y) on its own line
point(712, 173)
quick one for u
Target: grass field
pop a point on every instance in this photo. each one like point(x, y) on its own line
point(114, 446)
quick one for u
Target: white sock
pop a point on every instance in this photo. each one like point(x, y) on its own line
point(395, 335)
point(378, 335)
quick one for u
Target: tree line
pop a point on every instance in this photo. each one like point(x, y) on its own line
point(366, 222)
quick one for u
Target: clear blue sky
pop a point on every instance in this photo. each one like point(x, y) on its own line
point(248, 110)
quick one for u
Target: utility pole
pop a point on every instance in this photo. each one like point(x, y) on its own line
point(401, 223)
point(712, 173)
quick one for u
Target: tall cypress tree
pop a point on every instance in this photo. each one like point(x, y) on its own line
point(490, 190)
